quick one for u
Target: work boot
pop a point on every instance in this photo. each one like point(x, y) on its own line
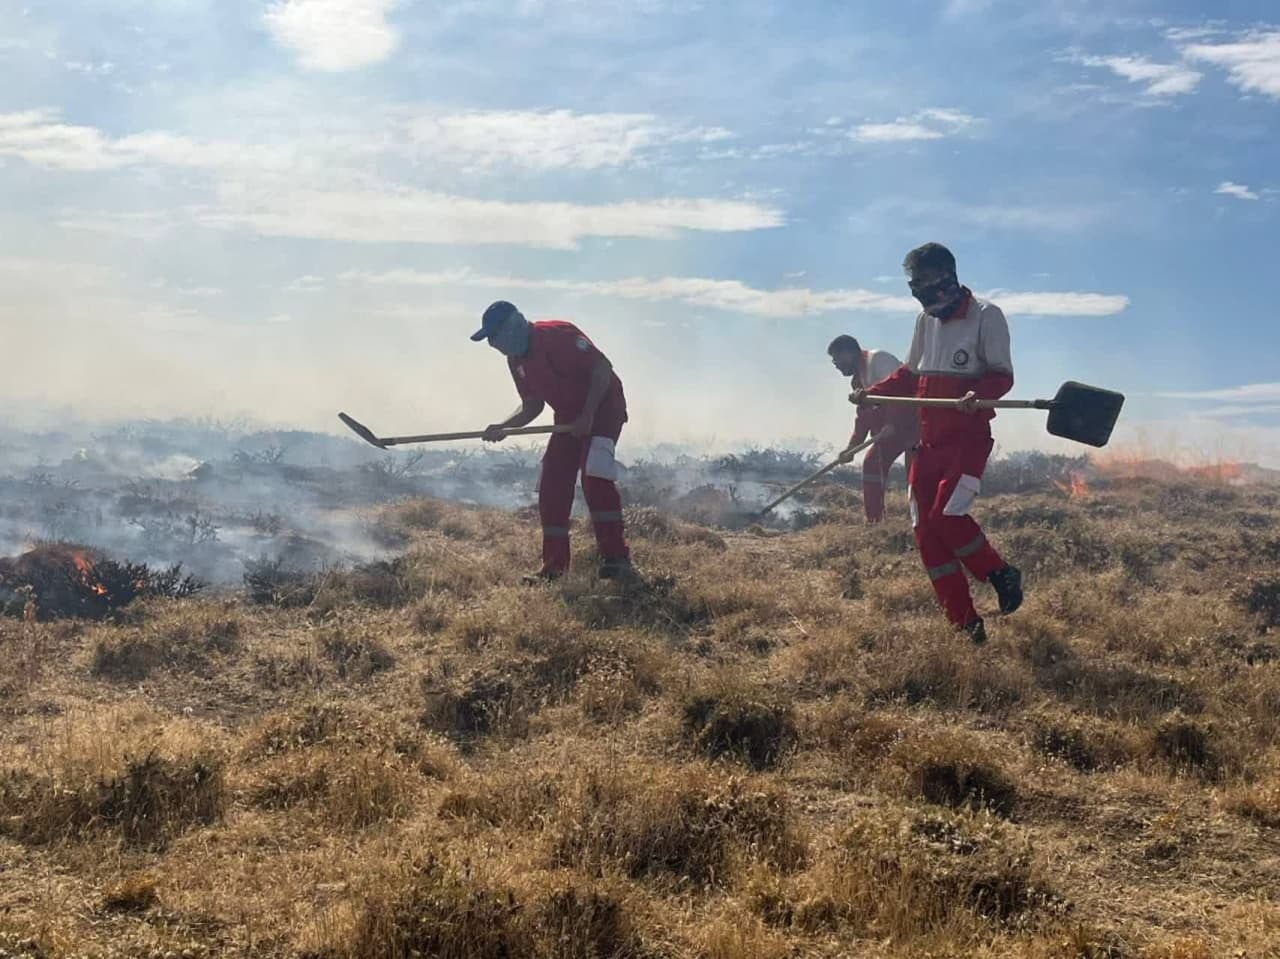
point(1008, 585)
point(977, 631)
point(541, 577)
point(617, 568)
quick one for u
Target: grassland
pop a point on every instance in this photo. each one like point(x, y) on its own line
point(773, 747)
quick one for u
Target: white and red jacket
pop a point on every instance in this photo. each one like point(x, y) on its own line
point(873, 367)
point(966, 350)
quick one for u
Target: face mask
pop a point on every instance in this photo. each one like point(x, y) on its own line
point(513, 338)
point(939, 297)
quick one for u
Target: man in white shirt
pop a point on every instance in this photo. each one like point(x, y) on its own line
point(865, 368)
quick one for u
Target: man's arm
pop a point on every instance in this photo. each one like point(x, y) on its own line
point(601, 377)
point(526, 413)
point(993, 351)
point(902, 381)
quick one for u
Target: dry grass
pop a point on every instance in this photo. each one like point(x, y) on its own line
point(770, 747)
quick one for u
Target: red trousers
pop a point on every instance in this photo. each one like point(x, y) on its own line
point(566, 457)
point(875, 472)
point(945, 479)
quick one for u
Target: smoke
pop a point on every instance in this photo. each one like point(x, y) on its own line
point(219, 497)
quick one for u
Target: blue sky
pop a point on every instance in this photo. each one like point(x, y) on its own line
point(282, 208)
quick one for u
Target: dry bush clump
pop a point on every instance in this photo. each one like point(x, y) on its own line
point(353, 649)
point(1260, 596)
point(133, 894)
point(729, 717)
point(189, 639)
point(447, 910)
point(348, 790)
point(951, 769)
point(1086, 743)
point(684, 825)
point(650, 524)
point(1259, 802)
point(147, 803)
point(907, 874)
point(948, 673)
point(488, 700)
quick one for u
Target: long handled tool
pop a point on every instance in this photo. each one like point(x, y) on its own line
point(382, 442)
point(839, 461)
point(1085, 414)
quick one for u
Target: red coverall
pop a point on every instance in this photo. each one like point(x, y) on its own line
point(967, 350)
point(557, 370)
point(870, 421)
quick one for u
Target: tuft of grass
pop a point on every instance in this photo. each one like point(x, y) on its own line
point(753, 724)
point(133, 894)
point(355, 652)
point(487, 700)
point(1088, 745)
point(190, 639)
point(952, 770)
point(1188, 747)
point(350, 791)
point(685, 826)
point(149, 802)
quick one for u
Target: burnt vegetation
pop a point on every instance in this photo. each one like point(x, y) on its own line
point(770, 746)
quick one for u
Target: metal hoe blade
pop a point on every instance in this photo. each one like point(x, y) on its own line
point(362, 431)
point(1085, 414)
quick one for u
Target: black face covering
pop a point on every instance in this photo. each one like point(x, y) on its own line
point(939, 297)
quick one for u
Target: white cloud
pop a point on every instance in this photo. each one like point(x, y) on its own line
point(135, 225)
point(542, 140)
point(1159, 79)
point(1249, 393)
point(735, 296)
point(1061, 304)
point(38, 138)
point(548, 139)
point(334, 35)
point(1237, 190)
point(1252, 61)
point(42, 139)
point(994, 216)
point(932, 124)
point(418, 216)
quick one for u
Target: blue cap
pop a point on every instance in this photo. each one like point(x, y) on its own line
point(493, 318)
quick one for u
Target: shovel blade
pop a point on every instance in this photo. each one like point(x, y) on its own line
point(362, 431)
point(1085, 414)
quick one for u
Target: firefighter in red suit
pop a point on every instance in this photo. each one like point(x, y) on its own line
point(960, 351)
point(865, 367)
point(554, 363)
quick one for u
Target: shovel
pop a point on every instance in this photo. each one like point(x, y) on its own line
point(1085, 414)
point(839, 461)
point(382, 442)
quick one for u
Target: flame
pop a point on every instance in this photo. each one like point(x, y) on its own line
point(1076, 486)
point(1171, 467)
point(88, 575)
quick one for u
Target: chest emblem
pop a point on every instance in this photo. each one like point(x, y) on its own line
point(961, 358)
point(520, 370)
point(582, 344)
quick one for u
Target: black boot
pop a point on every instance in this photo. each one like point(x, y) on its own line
point(541, 577)
point(1008, 585)
point(977, 631)
point(619, 568)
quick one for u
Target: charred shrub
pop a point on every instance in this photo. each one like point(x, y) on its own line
point(1260, 595)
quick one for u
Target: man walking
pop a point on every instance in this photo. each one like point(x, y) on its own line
point(864, 369)
point(554, 363)
point(960, 351)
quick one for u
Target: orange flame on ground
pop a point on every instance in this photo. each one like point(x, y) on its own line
point(88, 575)
point(1076, 486)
